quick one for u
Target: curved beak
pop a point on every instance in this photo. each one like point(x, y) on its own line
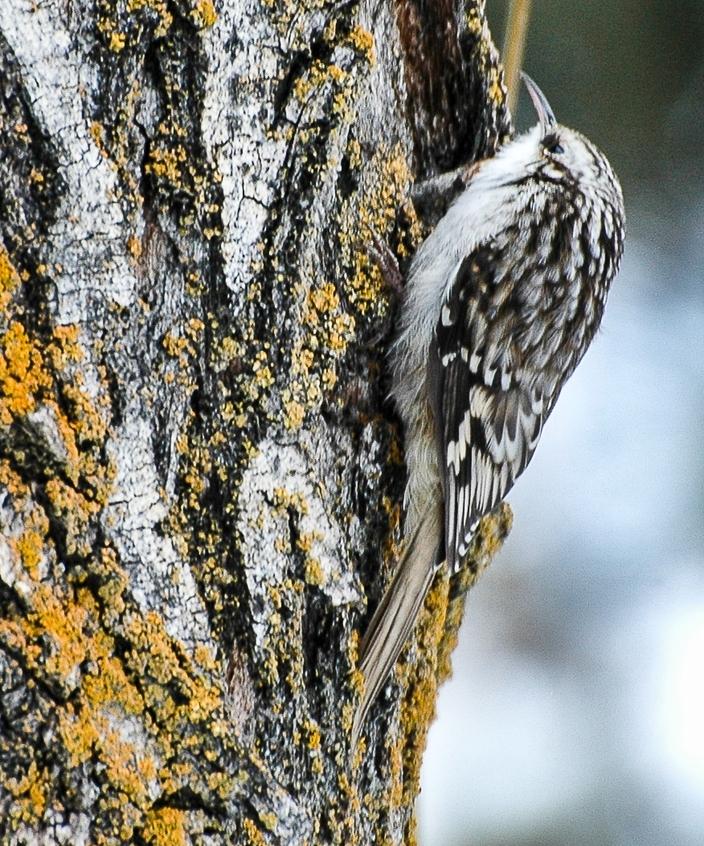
point(542, 107)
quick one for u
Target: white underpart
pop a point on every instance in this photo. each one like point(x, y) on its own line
point(484, 209)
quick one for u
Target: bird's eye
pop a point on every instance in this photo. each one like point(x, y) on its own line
point(552, 145)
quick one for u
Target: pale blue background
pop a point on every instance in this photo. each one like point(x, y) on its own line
point(576, 714)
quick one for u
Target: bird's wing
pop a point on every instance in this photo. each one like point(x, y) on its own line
point(489, 408)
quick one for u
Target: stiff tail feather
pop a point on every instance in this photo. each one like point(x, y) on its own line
point(397, 612)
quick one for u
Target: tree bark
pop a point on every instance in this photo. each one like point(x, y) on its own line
point(200, 475)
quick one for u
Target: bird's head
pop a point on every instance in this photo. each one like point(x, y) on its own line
point(553, 154)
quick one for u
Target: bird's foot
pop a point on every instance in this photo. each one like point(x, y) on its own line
point(382, 255)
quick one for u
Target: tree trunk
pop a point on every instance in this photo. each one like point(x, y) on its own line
point(200, 475)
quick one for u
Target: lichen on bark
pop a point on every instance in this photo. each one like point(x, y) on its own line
point(200, 472)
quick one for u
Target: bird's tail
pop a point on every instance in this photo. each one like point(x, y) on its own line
point(397, 612)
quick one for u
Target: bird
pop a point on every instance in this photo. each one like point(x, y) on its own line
point(501, 302)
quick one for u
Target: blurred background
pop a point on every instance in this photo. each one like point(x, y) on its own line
point(576, 711)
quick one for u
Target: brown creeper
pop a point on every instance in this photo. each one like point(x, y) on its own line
point(501, 303)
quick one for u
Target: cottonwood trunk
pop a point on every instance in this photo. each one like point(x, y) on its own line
point(200, 475)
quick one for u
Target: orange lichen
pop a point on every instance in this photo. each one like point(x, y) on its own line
point(384, 203)
point(254, 836)
point(31, 794)
point(66, 632)
point(363, 41)
point(75, 510)
point(322, 300)
point(313, 572)
point(167, 163)
point(117, 41)
point(36, 373)
point(283, 499)
point(158, 6)
point(134, 247)
point(9, 279)
point(66, 349)
point(62, 624)
point(497, 91)
point(30, 548)
point(64, 636)
point(418, 706)
point(294, 414)
point(165, 827)
point(204, 13)
point(174, 345)
point(21, 373)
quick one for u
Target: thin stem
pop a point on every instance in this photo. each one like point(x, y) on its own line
point(514, 44)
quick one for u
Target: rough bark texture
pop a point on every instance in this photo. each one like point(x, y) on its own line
point(200, 477)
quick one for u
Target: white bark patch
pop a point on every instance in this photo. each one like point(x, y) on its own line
point(133, 734)
point(294, 826)
point(12, 571)
point(89, 251)
point(383, 98)
point(60, 830)
point(44, 428)
point(248, 157)
point(160, 581)
point(265, 530)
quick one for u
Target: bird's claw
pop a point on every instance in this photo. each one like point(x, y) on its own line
point(382, 255)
